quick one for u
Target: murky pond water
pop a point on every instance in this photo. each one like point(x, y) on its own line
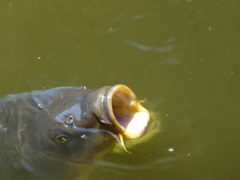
point(181, 55)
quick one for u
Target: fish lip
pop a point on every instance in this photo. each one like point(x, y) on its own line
point(125, 111)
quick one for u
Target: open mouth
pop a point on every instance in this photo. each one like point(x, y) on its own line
point(127, 114)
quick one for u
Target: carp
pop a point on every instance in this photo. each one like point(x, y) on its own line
point(59, 133)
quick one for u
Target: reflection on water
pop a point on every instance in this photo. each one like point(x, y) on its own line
point(164, 163)
point(150, 48)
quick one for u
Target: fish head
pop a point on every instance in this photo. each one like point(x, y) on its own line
point(80, 126)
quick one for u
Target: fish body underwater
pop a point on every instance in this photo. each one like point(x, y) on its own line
point(59, 133)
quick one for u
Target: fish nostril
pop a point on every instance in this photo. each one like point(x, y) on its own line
point(69, 120)
point(83, 87)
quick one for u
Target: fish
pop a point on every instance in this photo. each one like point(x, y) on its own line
point(59, 133)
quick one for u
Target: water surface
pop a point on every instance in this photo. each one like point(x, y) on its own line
point(181, 55)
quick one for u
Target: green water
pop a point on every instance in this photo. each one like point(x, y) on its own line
point(181, 55)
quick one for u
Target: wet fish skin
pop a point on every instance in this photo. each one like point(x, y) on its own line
point(28, 121)
point(54, 133)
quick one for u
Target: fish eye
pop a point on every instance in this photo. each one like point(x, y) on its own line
point(69, 120)
point(59, 138)
point(62, 139)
